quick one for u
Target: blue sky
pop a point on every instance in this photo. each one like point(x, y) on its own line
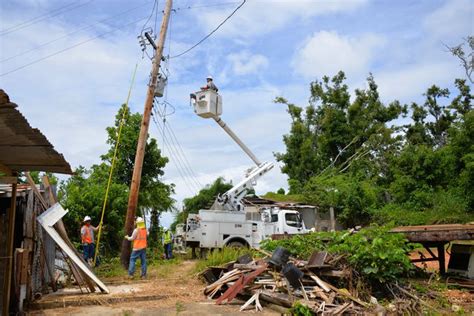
point(268, 49)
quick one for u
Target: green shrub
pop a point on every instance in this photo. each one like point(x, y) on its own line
point(299, 309)
point(375, 253)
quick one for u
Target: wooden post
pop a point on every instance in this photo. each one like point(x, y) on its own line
point(442, 260)
point(10, 240)
point(137, 170)
point(332, 219)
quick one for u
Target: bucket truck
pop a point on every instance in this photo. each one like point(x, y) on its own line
point(225, 224)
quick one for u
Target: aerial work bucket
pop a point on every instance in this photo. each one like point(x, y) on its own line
point(207, 104)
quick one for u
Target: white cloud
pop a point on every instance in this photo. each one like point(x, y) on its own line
point(259, 17)
point(409, 83)
point(325, 53)
point(454, 18)
point(245, 63)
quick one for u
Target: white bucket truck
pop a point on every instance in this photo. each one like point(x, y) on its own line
point(225, 224)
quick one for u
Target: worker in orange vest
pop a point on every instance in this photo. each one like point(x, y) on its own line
point(138, 237)
point(87, 238)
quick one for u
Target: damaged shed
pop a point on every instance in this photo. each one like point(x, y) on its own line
point(29, 252)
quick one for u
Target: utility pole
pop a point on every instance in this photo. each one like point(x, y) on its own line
point(137, 170)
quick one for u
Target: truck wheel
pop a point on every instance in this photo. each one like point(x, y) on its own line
point(235, 244)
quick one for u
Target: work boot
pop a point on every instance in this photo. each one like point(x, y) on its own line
point(130, 277)
point(143, 277)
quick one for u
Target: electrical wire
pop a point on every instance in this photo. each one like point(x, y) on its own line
point(212, 32)
point(39, 19)
point(155, 7)
point(176, 144)
point(178, 156)
point(71, 33)
point(191, 170)
point(188, 7)
point(175, 161)
point(70, 47)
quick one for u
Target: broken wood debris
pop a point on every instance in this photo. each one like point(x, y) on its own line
point(281, 280)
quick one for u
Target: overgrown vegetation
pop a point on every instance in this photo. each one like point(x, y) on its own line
point(83, 193)
point(222, 256)
point(379, 256)
point(354, 154)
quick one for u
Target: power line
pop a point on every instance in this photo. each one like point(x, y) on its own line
point(213, 31)
point(173, 135)
point(175, 161)
point(180, 157)
point(40, 18)
point(37, 17)
point(69, 48)
point(71, 33)
point(187, 7)
point(155, 6)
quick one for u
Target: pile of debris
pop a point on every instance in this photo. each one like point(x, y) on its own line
point(278, 279)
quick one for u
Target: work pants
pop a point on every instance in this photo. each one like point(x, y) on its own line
point(141, 253)
point(168, 250)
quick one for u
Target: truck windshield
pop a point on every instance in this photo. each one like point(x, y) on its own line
point(293, 220)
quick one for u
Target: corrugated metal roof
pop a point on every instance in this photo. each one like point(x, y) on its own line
point(23, 148)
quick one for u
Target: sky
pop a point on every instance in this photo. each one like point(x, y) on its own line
point(68, 65)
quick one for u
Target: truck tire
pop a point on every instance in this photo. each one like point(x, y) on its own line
point(235, 244)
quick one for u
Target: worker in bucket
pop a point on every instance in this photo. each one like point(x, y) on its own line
point(210, 84)
point(138, 237)
point(87, 238)
point(168, 243)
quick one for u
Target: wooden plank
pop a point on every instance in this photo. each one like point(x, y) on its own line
point(35, 190)
point(320, 282)
point(47, 220)
point(9, 269)
point(280, 299)
point(6, 170)
point(442, 260)
point(8, 180)
point(49, 189)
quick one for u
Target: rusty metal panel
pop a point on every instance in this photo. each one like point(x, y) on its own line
point(23, 148)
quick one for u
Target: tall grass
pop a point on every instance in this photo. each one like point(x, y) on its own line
point(221, 256)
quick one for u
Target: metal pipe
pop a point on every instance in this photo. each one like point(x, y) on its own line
point(237, 140)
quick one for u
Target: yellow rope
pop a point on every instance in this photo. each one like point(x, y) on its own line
point(113, 163)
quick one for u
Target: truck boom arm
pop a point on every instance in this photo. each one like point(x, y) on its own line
point(232, 199)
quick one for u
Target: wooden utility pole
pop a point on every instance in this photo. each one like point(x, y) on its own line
point(137, 170)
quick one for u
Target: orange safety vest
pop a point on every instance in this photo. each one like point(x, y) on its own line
point(140, 242)
point(87, 237)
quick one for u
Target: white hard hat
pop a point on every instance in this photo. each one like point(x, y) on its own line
point(140, 220)
point(87, 218)
point(209, 77)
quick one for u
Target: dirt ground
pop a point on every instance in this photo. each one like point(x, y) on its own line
point(172, 289)
point(169, 290)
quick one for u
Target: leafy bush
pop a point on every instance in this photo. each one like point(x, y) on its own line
point(299, 309)
point(375, 253)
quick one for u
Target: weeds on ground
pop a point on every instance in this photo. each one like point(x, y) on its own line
point(179, 307)
point(109, 268)
point(221, 256)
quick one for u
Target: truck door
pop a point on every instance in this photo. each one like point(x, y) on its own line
point(292, 223)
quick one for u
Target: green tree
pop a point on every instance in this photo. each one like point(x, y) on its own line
point(202, 200)
point(335, 132)
point(83, 193)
